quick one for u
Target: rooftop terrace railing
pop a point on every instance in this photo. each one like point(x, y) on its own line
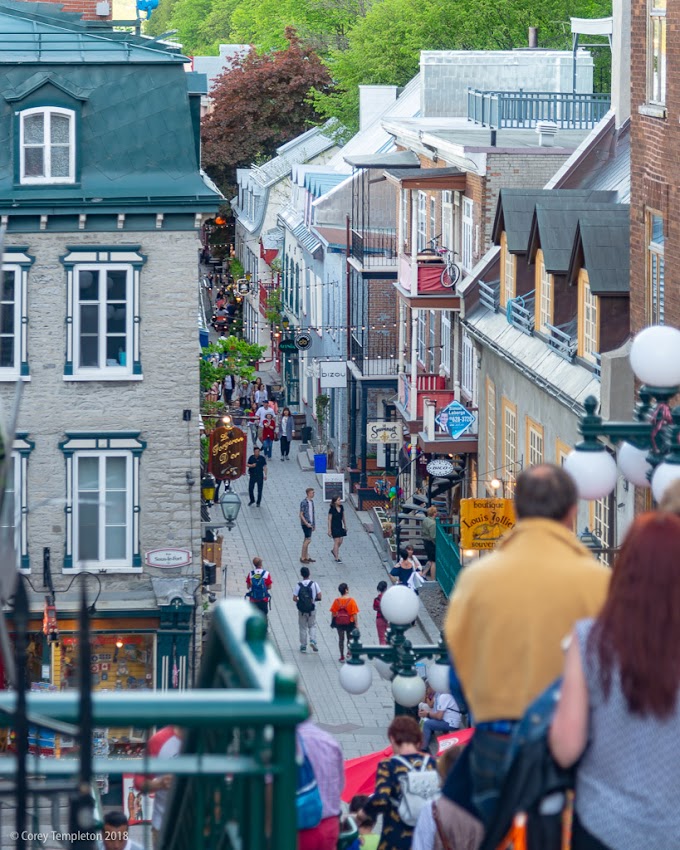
point(525, 109)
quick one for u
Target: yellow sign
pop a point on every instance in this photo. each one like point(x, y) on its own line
point(484, 521)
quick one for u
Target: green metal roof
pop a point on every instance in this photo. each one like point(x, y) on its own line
point(602, 246)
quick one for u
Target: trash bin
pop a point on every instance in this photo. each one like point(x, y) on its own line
point(320, 463)
point(306, 433)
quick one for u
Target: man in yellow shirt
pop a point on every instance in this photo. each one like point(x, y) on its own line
point(509, 614)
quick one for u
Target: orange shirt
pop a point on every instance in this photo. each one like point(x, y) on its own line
point(345, 602)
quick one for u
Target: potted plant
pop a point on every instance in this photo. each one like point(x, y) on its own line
point(320, 449)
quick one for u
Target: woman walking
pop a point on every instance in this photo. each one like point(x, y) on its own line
point(621, 687)
point(337, 527)
point(268, 434)
point(428, 531)
point(285, 433)
point(381, 623)
point(344, 612)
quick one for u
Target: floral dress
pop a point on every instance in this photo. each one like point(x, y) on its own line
point(385, 801)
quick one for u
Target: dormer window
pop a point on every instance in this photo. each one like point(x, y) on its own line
point(544, 293)
point(47, 146)
point(508, 271)
point(588, 342)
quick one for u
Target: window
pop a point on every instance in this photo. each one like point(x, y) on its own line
point(562, 451)
point(14, 518)
point(534, 433)
point(509, 442)
point(656, 52)
point(544, 286)
point(508, 272)
point(655, 269)
point(422, 221)
point(405, 230)
point(588, 337)
point(468, 234)
point(446, 340)
point(432, 348)
point(490, 426)
point(14, 316)
point(47, 146)
point(102, 501)
point(422, 329)
point(601, 523)
point(447, 238)
point(433, 218)
point(467, 372)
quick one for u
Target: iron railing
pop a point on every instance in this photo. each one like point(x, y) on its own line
point(520, 312)
point(563, 340)
point(598, 364)
point(448, 557)
point(490, 295)
point(524, 109)
point(374, 353)
point(375, 247)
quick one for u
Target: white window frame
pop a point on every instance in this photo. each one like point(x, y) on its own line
point(655, 270)
point(421, 337)
point(421, 221)
point(467, 370)
point(445, 333)
point(20, 343)
point(509, 272)
point(319, 303)
point(432, 339)
point(79, 445)
point(535, 442)
point(546, 297)
point(46, 178)
point(447, 238)
point(657, 52)
point(17, 506)
point(433, 217)
point(600, 523)
point(468, 234)
point(590, 346)
point(509, 442)
point(404, 219)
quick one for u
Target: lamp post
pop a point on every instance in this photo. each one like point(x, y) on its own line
point(396, 660)
point(650, 444)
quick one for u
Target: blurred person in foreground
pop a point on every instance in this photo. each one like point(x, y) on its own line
point(620, 688)
point(325, 755)
point(506, 620)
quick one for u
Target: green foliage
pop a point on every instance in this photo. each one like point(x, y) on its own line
point(321, 409)
point(239, 359)
point(236, 268)
point(274, 306)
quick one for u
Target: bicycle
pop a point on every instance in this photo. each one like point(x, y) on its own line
point(451, 272)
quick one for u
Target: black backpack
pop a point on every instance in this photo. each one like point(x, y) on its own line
point(305, 600)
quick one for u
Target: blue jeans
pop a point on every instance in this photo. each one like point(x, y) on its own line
point(488, 769)
point(267, 447)
point(430, 727)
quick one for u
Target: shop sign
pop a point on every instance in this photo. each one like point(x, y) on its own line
point(287, 346)
point(332, 373)
point(167, 558)
point(384, 432)
point(484, 521)
point(455, 419)
point(227, 453)
point(303, 341)
point(333, 485)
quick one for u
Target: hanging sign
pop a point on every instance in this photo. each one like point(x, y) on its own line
point(287, 346)
point(303, 341)
point(332, 373)
point(455, 419)
point(484, 521)
point(384, 432)
point(227, 453)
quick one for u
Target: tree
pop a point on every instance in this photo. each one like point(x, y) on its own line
point(260, 102)
point(239, 355)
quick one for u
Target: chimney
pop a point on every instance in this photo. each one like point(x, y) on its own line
point(533, 37)
point(621, 24)
point(373, 101)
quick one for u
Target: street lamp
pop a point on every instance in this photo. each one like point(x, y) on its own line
point(230, 503)
point(592, 541)
point(650, 450)
point(397, 659)
point(208, 487)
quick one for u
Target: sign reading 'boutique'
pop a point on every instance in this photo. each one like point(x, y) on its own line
point(227, 453)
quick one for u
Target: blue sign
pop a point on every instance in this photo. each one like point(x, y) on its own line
point(455, 419)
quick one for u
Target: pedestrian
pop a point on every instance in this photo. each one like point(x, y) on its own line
point(404, 570)
point(337, 526)
point(115, 832)
point(306, 595)
point(308, 523)
point(259, 582)
point(227, 388)
point(428, 531)
point(443, 716)
point(285, 433)
point(243, 395)
point(506, 621)
point(344, 612)
point(257, 474)
point(166, 743)
point(262, 411)
point(621, 684)
point(381, 623)
point(405, 737)
point(260, 395)
point(325, 755)
point(268, 434)
point(368, 840)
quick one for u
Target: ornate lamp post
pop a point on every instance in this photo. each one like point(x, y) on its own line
point(650, 444)
point(397, 660)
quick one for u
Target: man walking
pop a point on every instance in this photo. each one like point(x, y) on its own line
point(306, 594)
point(259, 582)
point(308, 523)
point(257, 473)
point(262, 412)
point(507, 618)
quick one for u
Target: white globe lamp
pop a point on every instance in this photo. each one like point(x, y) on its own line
point(438, 677)
point(594, 472)
point(655, 356)
point(383, 668)
point(399, 605)
point(664, 475)
point(408, 690)
point(356, 678)
point(633, 464)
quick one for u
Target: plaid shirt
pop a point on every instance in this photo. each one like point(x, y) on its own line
point(325, 754)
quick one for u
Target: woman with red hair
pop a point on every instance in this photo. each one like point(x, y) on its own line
point(619, 711)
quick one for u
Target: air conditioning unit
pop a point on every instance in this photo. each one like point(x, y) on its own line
point(103, 9)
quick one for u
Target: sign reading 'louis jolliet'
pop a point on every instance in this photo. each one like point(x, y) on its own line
point(227, 453)
point(484, 521)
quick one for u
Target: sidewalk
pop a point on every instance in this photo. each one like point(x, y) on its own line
point(273, 532)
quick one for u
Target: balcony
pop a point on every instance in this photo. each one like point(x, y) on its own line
point(525, 109)
point(425, 277)
point(520, 312)
point(428, 386)
point(373, 354)
point(562, 339)
point(376, 247)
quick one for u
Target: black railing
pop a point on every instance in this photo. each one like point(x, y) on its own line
point(375, 357)
point(375, 247)
point(525, 109)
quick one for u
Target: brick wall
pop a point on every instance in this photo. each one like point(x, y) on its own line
point(87, 8)
point(382, 319)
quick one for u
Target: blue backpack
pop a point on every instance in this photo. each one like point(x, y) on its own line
point(258, 588)
point(307, 796)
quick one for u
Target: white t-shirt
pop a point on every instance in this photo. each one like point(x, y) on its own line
point(447, 704)
point(262, 412)
point(313, 586)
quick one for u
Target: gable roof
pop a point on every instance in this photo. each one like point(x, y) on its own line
point(300, 149)
point(602, 247)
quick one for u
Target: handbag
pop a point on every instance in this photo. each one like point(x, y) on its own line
point(308, 803)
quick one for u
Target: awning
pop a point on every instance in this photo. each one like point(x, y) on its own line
point(398, 159)
point(427, 178)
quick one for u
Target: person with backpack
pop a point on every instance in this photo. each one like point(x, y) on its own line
point(344, 612)
point(405, 784)
point(307, 593)
point(259, 582)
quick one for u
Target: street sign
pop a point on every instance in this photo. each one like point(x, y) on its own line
point(484, 521)
point(455, 419)
point(167, 558)
point(332, 373)
point(303, 341)
point(384, 432)
point(287, 346)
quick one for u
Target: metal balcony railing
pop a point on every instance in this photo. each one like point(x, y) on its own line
point(373, 354)
point(520, 312)
point(524, 109)
point(562, 339)
point(490, 295)
point(375, 247)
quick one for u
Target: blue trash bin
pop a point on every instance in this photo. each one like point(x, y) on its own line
point(320, 463)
